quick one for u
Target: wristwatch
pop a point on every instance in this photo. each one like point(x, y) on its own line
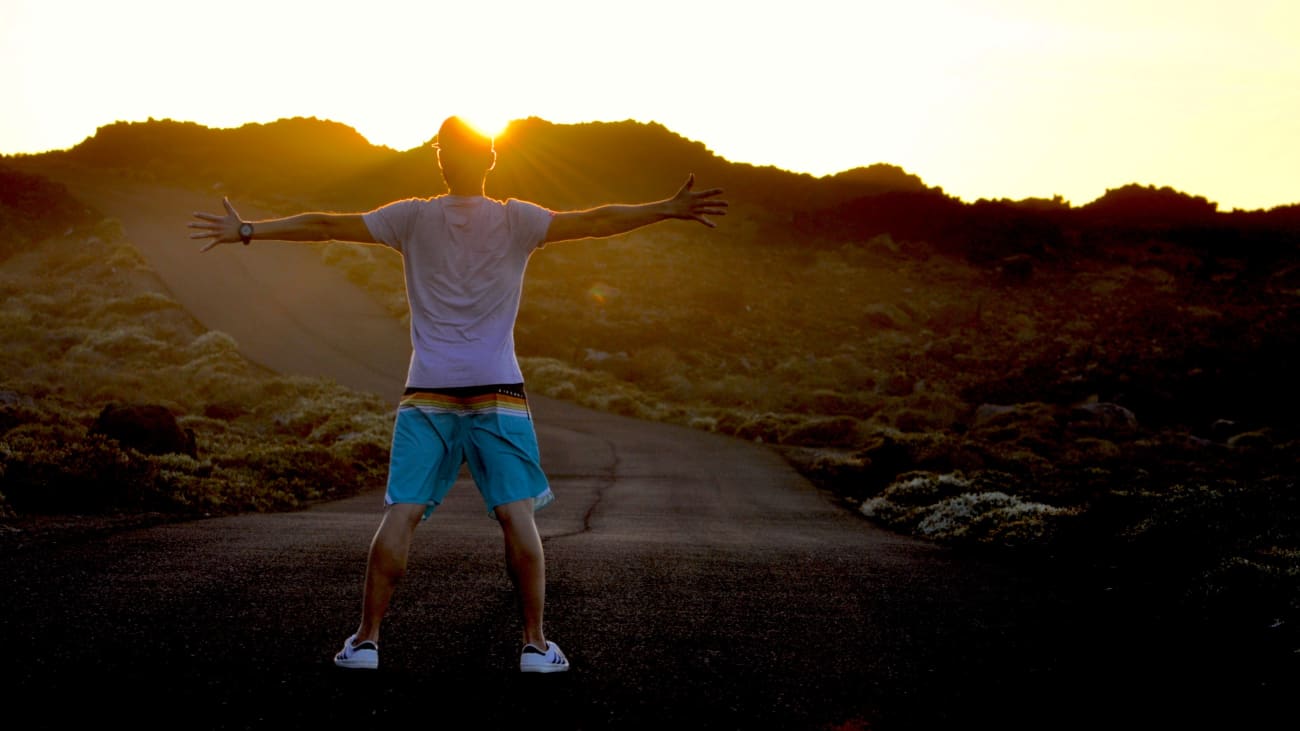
point(246, 232)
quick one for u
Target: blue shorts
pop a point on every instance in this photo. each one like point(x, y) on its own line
point(488, 427)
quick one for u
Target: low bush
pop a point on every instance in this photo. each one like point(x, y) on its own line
point(86, 325)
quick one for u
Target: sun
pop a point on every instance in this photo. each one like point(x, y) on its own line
point(488, 125)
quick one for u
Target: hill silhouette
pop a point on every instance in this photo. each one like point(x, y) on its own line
point(293, 161)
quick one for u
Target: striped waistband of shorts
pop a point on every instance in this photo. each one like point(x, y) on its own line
point(492, 399)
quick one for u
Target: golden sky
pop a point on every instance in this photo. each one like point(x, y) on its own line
point(984, 98)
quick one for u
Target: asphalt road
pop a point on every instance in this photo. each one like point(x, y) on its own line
point(695, 581)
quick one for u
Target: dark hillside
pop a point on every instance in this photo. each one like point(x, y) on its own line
point(563, 166)
point(308, 162)
point(1132, 216)
point(587, 164)
point(578, 166)
point(33, 208)
point(270, 160)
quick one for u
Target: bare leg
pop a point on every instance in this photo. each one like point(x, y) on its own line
point(386, 565)
point(526, 564)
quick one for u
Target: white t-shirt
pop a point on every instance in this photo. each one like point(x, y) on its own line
point(464, 259)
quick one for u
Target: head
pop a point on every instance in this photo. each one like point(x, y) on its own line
point(464, 154)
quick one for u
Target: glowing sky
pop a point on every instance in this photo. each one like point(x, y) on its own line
point(985, 98)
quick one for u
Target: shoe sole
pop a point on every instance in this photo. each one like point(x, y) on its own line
point(356, 664)
point(543, 668)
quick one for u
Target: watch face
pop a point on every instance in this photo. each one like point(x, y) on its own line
point(246, 230)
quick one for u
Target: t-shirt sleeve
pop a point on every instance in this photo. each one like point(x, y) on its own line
point(393, 224)
point(529, 223)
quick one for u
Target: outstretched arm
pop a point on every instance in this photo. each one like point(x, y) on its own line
point(612, 220)
point(224, 228)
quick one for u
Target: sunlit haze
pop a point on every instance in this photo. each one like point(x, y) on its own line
point(984, 98)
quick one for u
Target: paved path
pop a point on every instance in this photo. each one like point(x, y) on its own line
point(695, 581)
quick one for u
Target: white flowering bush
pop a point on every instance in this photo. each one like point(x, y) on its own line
point(952, 508)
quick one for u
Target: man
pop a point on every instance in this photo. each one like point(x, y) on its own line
point(464, 256)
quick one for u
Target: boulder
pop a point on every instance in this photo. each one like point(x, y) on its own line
point(1257, 439)
point(884, 316)
point(149, 428)
point(15, 409)
point(1032, 415)
point(1016, 269)
point(1104, 419)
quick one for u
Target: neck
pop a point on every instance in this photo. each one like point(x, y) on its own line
point(466, 187)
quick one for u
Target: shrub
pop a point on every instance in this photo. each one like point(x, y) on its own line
point(53, 473)
point(952, 508)
point(835, 431)
point(77, 339)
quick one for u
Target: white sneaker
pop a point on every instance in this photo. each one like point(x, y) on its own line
point(534, 660)
point(358, 655)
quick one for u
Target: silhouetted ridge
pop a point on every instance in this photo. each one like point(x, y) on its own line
point(1131, 216)
point(880, 178)
point(582, 165)
point(1136, 205)
point(283, 156)
point(315, 163)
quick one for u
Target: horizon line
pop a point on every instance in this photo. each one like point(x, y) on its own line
point(1067, 201)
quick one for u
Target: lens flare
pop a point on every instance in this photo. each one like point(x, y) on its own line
point(600, 293)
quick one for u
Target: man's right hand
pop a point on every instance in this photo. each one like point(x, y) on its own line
point(222, 229)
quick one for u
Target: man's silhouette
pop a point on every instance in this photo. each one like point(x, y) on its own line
point(464, 256)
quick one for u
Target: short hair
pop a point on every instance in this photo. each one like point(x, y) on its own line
point(457, 134)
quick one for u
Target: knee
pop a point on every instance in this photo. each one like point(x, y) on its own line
point(514, 514)
point(387, 558)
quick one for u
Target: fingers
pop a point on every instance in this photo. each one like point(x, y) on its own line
point(701, 204)
point(214, 235)
point(211, 225)
point(209, 229)
point(708, 193)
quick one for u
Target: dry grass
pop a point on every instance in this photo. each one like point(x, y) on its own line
point(86, 324)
